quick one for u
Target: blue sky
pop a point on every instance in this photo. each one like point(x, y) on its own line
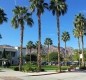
point(11, 36)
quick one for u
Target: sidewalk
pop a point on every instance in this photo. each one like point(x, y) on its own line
point(9, 72)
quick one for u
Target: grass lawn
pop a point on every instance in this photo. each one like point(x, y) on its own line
point(46, 68)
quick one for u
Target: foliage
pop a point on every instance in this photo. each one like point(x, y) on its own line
point(30, 45)
point(38, 5)
point(3, 17)
point(80, 23)
point(16, 68)
point(48, 41)
point(26, 67)
point(53, 56)
point(21, 16)
point(83, 68)
point(65, 36)
point(4, 54)
point(58, 6)
point(76, 55)
point(43, 57)
point(54, 67)
point(36, 45)
point(33, 57)
point(76, 33)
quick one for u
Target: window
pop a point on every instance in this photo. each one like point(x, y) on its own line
point(13, 54)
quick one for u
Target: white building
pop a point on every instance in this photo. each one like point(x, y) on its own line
point(12, 54)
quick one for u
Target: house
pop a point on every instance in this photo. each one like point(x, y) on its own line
point(10, 53)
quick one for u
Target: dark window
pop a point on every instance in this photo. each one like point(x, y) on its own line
point(13, 54)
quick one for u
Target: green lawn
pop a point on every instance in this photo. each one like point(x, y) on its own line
point(47, 67)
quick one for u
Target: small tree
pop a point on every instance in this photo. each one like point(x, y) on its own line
point(48, 42)
point(30, 45)
point(4, 54)
point(65, 38)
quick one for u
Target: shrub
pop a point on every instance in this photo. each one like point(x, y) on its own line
point(16, 68)
point(42, 70)
point(83, 68)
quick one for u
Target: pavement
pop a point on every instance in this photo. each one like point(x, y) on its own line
point(7, 74)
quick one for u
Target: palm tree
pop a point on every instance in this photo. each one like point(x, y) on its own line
point(80, 23)
point(21, 15)
point(30, 45)
point(3, 17)
point(0, 36)
point(65, 38)
point(48, 42)
point(76, 35)
point(36, 46)
point(58, 8)
point(39, 6)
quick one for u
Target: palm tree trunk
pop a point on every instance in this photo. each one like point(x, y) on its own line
point(58, 33)
point(48, 54)
point(30, 57)
point(39, 43)
point(21, 46)
point(37, 55)
point(79, 51)
point(65, 54)
point(83, 63)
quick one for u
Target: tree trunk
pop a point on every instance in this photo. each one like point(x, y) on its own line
point(30, 57)
point(39, 43)
point(21, 46)
point(79, 50)
point(58, 33)
point(83, 63)
point(65, 54)
point(48, 54)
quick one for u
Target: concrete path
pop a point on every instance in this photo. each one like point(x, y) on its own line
point(8, 74)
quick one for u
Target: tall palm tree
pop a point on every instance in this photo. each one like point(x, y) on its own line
point(39, 6)
point(3, 17)
point(48, 42)
point(65, 38)
point(76, 35)
point(30, 45)
point(21, 16)
point(58, 8)
point(80, 23)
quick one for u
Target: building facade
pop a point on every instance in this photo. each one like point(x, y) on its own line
point(11, 54)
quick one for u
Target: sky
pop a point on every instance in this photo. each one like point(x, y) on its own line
point(11, 36)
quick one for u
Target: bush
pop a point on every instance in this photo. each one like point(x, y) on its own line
point(16, 68)
point(42, 70)
point(26, 67)
point(83, 68)
point(64, 67)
